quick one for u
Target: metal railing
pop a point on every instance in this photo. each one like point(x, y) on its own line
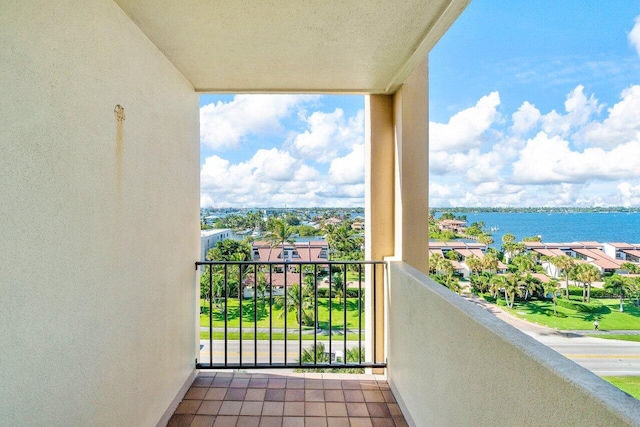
point(285, 314)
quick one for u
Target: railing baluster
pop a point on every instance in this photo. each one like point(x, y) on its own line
point(284, 268)
point(240, 297)
point(300, 316)
point(210, 315)
point(374, 309)
point(330, 314)
point(359, 313)
point(255, 314)
point(315, 314)
point(344, 309)
point(226, 316)
point(270, 314)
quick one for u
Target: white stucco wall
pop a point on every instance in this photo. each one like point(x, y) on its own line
point(450, 363)
point(99, 224)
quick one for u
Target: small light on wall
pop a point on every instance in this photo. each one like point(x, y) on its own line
point(118, 111)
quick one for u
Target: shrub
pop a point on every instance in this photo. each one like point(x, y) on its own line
point(501, 303)
point(582, 307)
point(595, 292)
point(488, 297)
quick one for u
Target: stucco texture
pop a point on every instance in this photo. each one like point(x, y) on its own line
point(99, 225)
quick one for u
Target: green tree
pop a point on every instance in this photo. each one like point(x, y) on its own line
point(630, 267)
point(490, 262)
point(292, 302)
point(617, 285)
point(230, 250)
point(338, 286)
point(512, 287)
point(474, 263)
point(550, 288)
point(279, 233)
point(565, 264)
point(587, 274)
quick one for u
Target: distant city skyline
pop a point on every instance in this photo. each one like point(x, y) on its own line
point(530, 105)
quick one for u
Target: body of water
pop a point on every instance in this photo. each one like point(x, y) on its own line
point(562, 227)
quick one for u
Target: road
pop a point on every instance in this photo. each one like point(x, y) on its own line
point(603, 357)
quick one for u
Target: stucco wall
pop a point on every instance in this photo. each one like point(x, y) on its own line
point(99, 225)
point(453, 364)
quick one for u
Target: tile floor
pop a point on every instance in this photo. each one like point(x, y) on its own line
point(226, 399)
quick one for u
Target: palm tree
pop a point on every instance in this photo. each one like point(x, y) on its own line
point(434, 261)
point(495, 284)
point(292, 301)
point(618, 285)
point(564, 264)
point(630, 267)
point(279, 233)
point(338, 286)
point(512, 288)
point(550, 288)
point(531, 284)
point(474, 263)
point(490, 262)
point(587, 274)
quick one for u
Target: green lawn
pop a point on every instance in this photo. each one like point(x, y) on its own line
point(618, 337)
point(541, 312)
point(630, 385)
point(277, 321)
point(248, 336)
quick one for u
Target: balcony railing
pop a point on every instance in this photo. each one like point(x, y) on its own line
point(292, 314)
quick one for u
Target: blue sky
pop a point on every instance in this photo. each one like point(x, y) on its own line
point(531, 104)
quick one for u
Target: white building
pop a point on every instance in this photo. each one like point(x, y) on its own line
point(209, 238)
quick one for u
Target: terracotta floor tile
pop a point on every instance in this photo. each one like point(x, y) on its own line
point(295, 383)
point(383, 385)
point(357, 410)
point(292, 421)
point(225, 421)
point(221, 382)
point(240, 383)
point(274, 409)
point(369, 385)
point(336, 409)
point(180, 420)
point(314, 409)
point(215, 393)
point(196, 393)
point(294, 409)
point(313, 384)
point(277, 383)
point(353, 396)
point(378, 410)
point(360, 422)
point(332, 384)
point(209, 407)
point(252, 408)
point(229, 407)
point(388, 396)
point(294, 395)
point(255, 394)
point(394, 409)
point(314, 395)
point(350, 385)
point(274, 394)
point(235, 394)
point(373, 396)
point(258, 382)
point(248, 421)
point(203, 421)
point(400, 422)
point(202, 382)
point(382, 422)
point(271, 422)
point(334, 396)
point(338, 422)
point(188, 407)
point(315, 422)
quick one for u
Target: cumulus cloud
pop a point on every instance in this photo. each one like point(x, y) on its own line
point(464, 129)
point(634, 35)
point(225, 124)
point(328, 134)
point(621, 126)
point(579, 109)
point(525, 118)
point(348, 169)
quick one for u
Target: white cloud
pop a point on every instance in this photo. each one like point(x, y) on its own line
point(579, 109)
point(525, 118)
point(348, 169)
point(464, 129)
point(634, 35)
point(622, 125)
point(224, 125)
point(328, 134)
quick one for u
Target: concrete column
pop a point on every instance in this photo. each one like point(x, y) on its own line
point(379, 210)
point(411, 120)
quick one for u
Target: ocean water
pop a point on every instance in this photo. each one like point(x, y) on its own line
point(562, 227)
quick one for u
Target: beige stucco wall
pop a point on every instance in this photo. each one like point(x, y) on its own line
point(453, 364)
point(411, 119)
point(99, 227)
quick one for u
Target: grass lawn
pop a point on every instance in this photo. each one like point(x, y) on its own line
point(248, 336)
point(262, 317)
point(541, 312)
point(618, 337)
point(630, 385)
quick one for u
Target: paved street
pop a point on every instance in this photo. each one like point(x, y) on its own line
point(601, 356)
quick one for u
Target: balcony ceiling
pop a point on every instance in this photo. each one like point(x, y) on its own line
point(353, 46)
